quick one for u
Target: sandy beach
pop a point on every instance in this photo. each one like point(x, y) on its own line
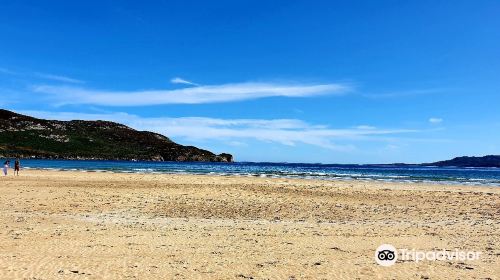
point(87, 225)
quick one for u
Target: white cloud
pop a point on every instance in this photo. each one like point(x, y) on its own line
point(58, 78)
point(178, 80)
point(435, 120)
point(237, 144)
point(194, 95)
point(365, 127)
point(283, 131)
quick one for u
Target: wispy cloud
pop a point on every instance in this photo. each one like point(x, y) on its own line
point(365, 127)
point(30, 75)
point(178, 80)
point(435, 120)
point(193, 95)
point(58, 78)
point(404, 93)
point(283, 131)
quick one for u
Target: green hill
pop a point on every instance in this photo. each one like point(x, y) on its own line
point(29, 137)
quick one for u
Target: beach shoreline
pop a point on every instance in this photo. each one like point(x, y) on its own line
point(354, 174)
point(33, 171)
point(104, 225)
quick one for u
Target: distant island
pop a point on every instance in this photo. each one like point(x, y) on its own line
point(486, 161)
point(27, 137)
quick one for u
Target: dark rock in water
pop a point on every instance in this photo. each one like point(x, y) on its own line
point(29, 137)
point(224, 157)
point(486, 161)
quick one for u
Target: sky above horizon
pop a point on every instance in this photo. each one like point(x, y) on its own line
point(294, 81)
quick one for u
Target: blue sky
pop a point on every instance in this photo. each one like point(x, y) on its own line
point(296, 81)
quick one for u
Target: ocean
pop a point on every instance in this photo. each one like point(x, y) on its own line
point(402, 173)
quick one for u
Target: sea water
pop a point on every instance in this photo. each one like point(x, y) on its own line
point(402, 173)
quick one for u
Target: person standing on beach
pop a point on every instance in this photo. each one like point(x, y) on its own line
point(6, 167)
point(17, 166)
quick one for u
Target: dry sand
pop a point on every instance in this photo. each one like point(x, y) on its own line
point(75, 225)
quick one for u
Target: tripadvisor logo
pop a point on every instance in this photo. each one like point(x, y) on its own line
point(387, 255)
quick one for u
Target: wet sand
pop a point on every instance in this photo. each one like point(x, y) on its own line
point(76, 225)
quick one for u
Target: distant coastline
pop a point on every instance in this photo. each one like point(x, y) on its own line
point(464, 161)
point(31, 138)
